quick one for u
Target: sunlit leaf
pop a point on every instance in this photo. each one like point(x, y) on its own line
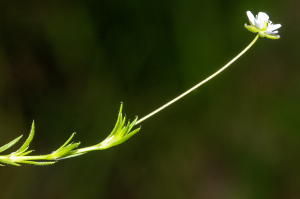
point(25, 146)
point(10, 144)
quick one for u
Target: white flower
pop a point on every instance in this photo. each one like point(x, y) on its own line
point(262, 25)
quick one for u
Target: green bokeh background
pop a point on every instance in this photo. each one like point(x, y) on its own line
point(69, 64)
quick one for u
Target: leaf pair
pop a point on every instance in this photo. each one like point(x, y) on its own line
point(22, 151)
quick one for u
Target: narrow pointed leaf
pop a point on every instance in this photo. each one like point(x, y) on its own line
point(9, 162)
point(37, 163)
point(10, 144)
point(26, 153)
point(27, 142)
point(126, 137)
point(66, 142)
point(117, 126)
point(119, 122)
point(131, 126)
point(125, 130)
point(19, 152)
point(133, 122)
point(57, 154)
point(70, 156)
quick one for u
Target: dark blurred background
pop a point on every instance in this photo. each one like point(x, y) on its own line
point(69, 64)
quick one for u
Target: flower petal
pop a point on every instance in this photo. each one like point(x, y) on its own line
point(250, 17)
point(258, 24)
point(262, 17)
point(270, 32)
point(273, 27)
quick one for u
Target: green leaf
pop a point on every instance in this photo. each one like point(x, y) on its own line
point(10, 144)
point(25, 153)
point(120, 133)
point(25, 146)
point(119, 123)
point(70, 156)
point(9, 162)
point(66, 142)
point(37, 163)
point(59, 153)
point(125, 138)
point(125, 133)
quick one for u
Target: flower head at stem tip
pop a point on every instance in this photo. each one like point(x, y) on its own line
point(262, 25)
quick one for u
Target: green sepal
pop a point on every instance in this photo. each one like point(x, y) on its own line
point(261, 34)
point(10, 144)
point(251, 28)
point(273, 36)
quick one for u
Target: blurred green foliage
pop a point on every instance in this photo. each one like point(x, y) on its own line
point(69, 64)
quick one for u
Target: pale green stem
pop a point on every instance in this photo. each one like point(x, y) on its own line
point(47, 157)
point(204, 81)
point(85, 149)
point(50, 156)
point(36, 157)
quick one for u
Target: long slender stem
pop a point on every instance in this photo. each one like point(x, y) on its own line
point(204, 81)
